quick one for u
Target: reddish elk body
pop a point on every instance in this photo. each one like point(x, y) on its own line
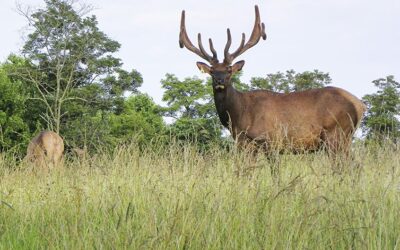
point(46, 149)
point(296, 121)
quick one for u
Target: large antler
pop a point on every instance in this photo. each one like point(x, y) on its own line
point(256, 34)
point(184, 41)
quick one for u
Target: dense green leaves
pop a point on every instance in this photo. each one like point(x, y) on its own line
point(14, 132)
point(186, 98)
point(291, 81)
point(72, 64)
point(191, 105)
point(381, 119)
point(139, 120)
point(74, 80)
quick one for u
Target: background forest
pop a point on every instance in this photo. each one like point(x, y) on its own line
point(68, 79)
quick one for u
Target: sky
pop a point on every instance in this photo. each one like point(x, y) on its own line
point(355, 41)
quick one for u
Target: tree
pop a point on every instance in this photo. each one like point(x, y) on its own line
point(14, 132)
point(32, 107)
point(70, 64)
point(139, 119)
point(185, 98)
point(291, 81)
point(381, 120)
point(191, 105)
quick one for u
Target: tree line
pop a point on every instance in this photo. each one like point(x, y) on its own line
point(68, 79)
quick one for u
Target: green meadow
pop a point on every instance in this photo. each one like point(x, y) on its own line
point(179, 198)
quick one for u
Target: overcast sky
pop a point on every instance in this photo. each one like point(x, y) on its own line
point(356, 41)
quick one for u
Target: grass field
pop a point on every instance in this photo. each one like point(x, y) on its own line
point(177, 198)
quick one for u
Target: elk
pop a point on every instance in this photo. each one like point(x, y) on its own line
point(46, 149)
point(298, 121)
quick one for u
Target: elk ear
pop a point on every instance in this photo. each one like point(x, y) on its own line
point(203, 67)
point(238, 66)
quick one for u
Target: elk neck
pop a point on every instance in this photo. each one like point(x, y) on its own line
point(228, 103)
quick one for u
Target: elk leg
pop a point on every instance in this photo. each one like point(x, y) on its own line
point(338, 147)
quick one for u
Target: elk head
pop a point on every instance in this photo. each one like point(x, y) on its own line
point(221, 73)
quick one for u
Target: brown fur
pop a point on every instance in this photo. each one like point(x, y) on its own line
point(296, 121)
point(46, 149)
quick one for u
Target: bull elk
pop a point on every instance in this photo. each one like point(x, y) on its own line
point(296, 121)
point(46, 149)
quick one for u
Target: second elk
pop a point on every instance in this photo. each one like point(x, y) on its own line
point(46, 150)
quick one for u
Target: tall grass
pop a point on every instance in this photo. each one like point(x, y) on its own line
point(178, 198)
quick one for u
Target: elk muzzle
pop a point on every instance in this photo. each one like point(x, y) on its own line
point(219, 84)
point(220, 80)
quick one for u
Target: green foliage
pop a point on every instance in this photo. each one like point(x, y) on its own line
point(90, 131)
point(203, 131)
point(72, 79)
point(14, 132)
point(139, 120)
point(186, 98)
point(34, 109)
point(71, 65)
point(381, 120)
point(291, 81)
point(191, 105)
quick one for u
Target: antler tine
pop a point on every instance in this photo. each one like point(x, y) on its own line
point(263, 34)
point(203, 51)
point(214, 52)
point(184, 41)
point(228, 44)
point(182, 34)
point(227, 55)
point(256, 34)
